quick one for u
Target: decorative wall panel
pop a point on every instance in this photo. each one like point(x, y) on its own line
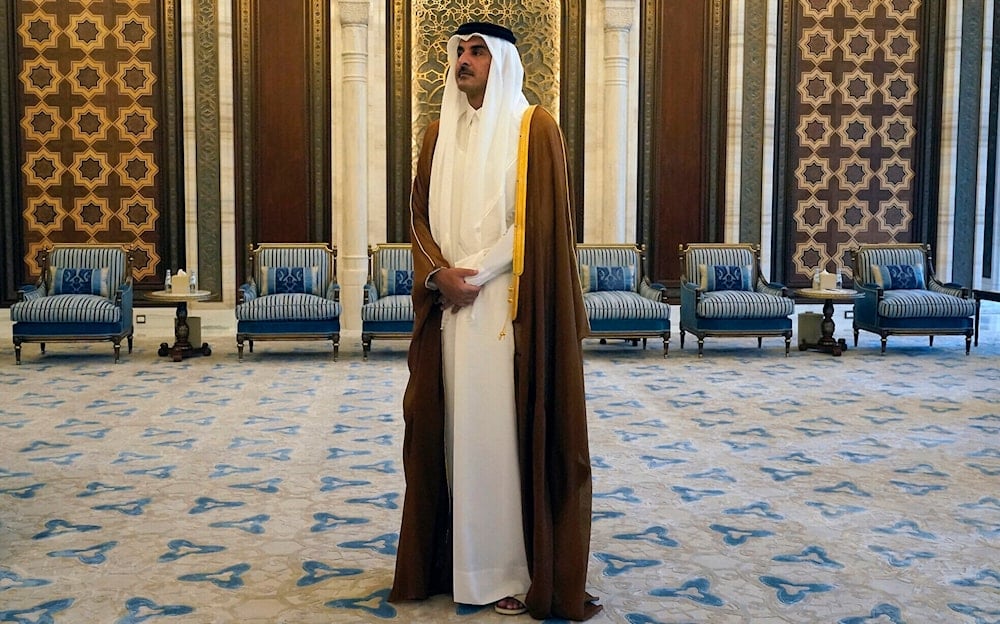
point(855, 84)
point(90, 109)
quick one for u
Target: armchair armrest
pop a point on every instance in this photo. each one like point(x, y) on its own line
point(951, 288)
point(370, 293)
point(866, 306)
point(246, 293)
point(123, 299)
point(333, 291)
point(771, 288)
point(30, 291)
point(690, 289)
point(651, 291)
point(690, 296)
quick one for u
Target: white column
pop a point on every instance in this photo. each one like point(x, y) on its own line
point(618, 17)
point(352, 254)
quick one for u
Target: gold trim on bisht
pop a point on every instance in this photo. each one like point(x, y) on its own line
point(521, 197)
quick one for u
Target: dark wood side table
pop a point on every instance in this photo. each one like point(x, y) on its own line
point(827, 342)
point(979, 295)
point(182, 347)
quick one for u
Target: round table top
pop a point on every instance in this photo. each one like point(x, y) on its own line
point(168, 295)
point(828, 293)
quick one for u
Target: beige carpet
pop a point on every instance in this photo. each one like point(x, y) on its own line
point(741, 487)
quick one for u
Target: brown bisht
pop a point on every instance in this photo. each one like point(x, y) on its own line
point(549, 396)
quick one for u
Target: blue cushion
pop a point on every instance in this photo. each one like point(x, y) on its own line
point(606, 278)
point(397, 281)
point(917, 303)
point(899, 276)
point(741, 304)
point(391, 308)
point(724, 277)
point(76, 281)
point(623, 305)
point(67, 309)
point(286, 280)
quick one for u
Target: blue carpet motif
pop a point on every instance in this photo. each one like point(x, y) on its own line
point(740, 487)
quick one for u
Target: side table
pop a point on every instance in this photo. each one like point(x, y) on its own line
point(979, 295)
point(827, 342)
point(181, 348)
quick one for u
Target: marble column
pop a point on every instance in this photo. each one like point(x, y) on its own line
point(618, 17)
point(353, 243)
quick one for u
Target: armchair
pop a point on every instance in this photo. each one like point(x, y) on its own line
point(901, 295)
point(387, 310)
point(723, 293)
point(83, 294)
point(291, 294)
point(620, 301)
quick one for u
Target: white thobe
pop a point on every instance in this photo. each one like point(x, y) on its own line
point(481, 430)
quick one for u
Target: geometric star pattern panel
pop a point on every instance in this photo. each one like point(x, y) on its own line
point(853, 147)
point(89, 105)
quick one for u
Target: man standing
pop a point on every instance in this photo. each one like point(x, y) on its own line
point(498, 484)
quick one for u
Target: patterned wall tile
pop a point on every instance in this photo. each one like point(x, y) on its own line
point(855, 100)
point(90, 108)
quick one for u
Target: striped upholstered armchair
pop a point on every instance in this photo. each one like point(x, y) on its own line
point(291, 294)
point(901, 295)
point(84, 294)
point(723, 293)
point(387, 309)
point(618, 297)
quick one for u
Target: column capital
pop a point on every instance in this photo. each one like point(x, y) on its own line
point(353, 13)
point(619, 14)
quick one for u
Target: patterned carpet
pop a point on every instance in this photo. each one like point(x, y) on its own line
point(742, 487)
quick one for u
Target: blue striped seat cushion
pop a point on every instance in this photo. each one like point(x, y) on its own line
point(924, 304)
point(621, 304)
point(391, 308)
point(66, 309)
point(739, 304)
point(288, 307)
